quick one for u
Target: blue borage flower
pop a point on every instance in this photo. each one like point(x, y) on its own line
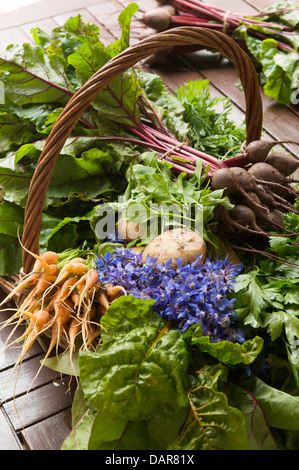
point(189, 294)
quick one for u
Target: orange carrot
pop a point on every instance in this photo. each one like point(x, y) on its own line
point(63, 308)
point(50, 305)
point(28, 305)
point(102, 298)
point(29, 281)
point(41, 287)
point(38, 324)
point(42, 261)
point(49, 257)
point(93, 332)
point(78, 260)
point(74, 330)
point(75, 298)
point(38, 320)
point(88, 314)
point(86, 283)
point(101, 310)
point(91, 278)
point(71, 269)
point(65, 290)
point(63, 314)
point(112, 291)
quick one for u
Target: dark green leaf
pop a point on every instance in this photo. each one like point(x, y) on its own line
point(27, 64)
point(226, 352)
point(212, 424)
point(258, 432)
point(281, 409)
point(11, 227)
point(141, 367)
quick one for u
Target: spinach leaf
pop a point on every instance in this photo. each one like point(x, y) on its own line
point(119, 434)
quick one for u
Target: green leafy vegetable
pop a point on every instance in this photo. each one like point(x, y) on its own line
point(136, 390)
point(11, 219)
point(155, 199)
point(211, 128)
point(212, 424)
point(140, 362)
point(280, 408)
point(225, 352)
point(268, 293)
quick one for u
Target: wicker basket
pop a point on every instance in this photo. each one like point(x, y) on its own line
point(81, 100)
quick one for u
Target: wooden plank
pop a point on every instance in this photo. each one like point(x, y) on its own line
point(8, 436)
point(47, 24)
point(87, 17)
point(260, 4)
point(106, 12)
point(235, 6)
point(39, 404)
point(12, 36)
point(20, 381)
point(48, 434)
point(40, 10)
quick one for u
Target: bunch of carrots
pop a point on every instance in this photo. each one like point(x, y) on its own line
point(64, 300)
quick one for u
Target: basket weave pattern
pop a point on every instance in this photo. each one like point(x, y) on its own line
point(88, 92)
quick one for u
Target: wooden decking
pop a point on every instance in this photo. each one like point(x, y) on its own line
point(40, 419)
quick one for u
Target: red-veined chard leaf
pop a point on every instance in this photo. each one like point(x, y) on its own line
point(97, 431)
point(82, 420)
point(279, 74)
point(14, 131)
point(280, 408)
point(68, 37)
point(81, 168)
point(259, 434)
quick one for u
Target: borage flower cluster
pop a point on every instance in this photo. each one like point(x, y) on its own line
point(189, 294)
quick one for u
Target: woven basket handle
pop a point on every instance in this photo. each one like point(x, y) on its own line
point(88, 92)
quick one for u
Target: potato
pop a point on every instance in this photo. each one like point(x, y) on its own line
point(176, 243)
point(129, 231)
point(138, 249)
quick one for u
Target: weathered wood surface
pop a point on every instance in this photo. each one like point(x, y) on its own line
point(39, 419)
